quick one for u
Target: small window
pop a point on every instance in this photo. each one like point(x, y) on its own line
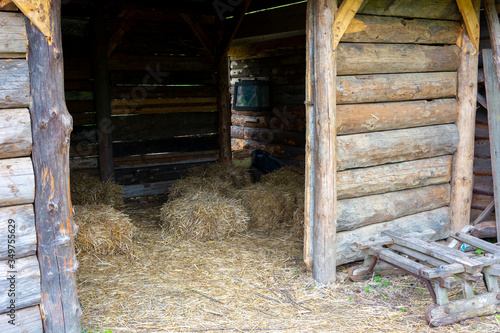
point(252, 96)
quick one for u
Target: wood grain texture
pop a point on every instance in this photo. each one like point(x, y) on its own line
point(24, 218)
point(369, 149)
point(395, 87)
point(471, 20)
point(14, 84)
point(224, 107)
point(393, 177)
point(267, 135)
point(12, 35)
point(17, 181)
point(27, 283)
point(430, 9)
point(15, 133)
point(38, 13)
point(343, 19)
point(494, 30)
point(28, 320)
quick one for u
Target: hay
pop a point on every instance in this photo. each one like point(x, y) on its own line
point(203, 215)
point(298, 217)
point(103, 230)
point(288, 175)
point(88, 190)
point(237, 176)
point(194, 184)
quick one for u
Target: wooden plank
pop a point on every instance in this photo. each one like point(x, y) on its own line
point(395, 87)
point(280, 151)
point(17, 181)
point(493, 99)
point(126, 22)
point(481, 201)
point(28, 320)
point(224, 107)
point(430, 9)
point(461, 184)
point(494, 30)
point(483, 184)
point(267, 135)
point(471, 20)
point(485, 229)
point(343, 19)
point(369, 149)
point(482, 166)
point(24, 222)
point(482, 148)
point(8, 6)
point(437, 220)
point(166, 159)
point(126, 62)
point(27, 283)
point(267, 48)
point(281, 122)
point(142, 190)
point(12, 35)
point(38, 13)
point(14, 84)
point(15, 133)
point(359, 212)
point(393, 177)
point(480, 244)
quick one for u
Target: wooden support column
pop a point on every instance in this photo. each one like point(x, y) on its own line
point(494, 29)
point(51, 128)
point(461, 196)
point(322, 151)
point(102, 98)
point(224, 107)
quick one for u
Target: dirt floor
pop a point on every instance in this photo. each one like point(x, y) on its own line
point(252, 282)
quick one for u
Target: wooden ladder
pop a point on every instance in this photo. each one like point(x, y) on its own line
point(442, 268)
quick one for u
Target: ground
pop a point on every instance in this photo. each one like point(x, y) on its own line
point(251, 282)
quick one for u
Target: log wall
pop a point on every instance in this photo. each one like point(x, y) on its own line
point(17, 181)
point(396, 109)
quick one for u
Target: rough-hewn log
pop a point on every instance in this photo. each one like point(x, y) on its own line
point(395, 87)
point(380, 29)
point(287, 123)
point(393, 177)
point(12, 35)
point(359, 212)
point(268, 135)
point(494, 30)
point(485, 229)
point(28, 320)
point(461, 183)
point(279, 151)
point(27, 284)
point(15, 133)
point(38, 12)
point(481, 201)
point(343, 19)
point(469, 10)
point(224, 106)
point(361, 118)
point(430, 9)
point(14, 84)
point(367, 58)
point(17, 181)
point(24, 220)
point(368, 149)
point(51, 127)
point(437, 220)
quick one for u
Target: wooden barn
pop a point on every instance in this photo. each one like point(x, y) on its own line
point(375, 98)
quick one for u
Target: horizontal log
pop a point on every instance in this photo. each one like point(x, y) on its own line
point(429, 9)
point(28, 320)
point(17, 182)
point(14, 84)
point(15, 133)
point(395, 87)
point(437, 220)
point(368, 149)
point(367, 58)
point(12, 35)
point(393, 177)
point(163, 159)
point(279, 151)
point(485, 229)
point(359, 212)
point(269, 135)
point(482, 148)
point(481, 131)
point(483, 184)
point(160, 106)
point(27, 283)
point(82, 163)
point(159, 63)
point(474, 214)
point(287, 123)
point(269, 48)
point(482, 166)
point(137, 78)
point(23, 219)
point(142, 190)
point(132, 94)
point(481, 201)
point(361, 118)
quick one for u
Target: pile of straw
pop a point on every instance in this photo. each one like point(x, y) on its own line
point(298, 217)
point(88, 190)
point(194, 184)
point(203, 215)
point(288, 175)
point(237, 176)
point(103, 230)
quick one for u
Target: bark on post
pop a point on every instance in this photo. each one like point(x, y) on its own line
point(51, 126)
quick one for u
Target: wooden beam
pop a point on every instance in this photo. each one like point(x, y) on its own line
point(343, 19)
point(494, 29)
point(224, 107)
point(127, 20)
point(471, 20)
point(201, 34)
point(38, 12)
point(51, 128)
point(462, 168)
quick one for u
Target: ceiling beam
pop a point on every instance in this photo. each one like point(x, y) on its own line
point(38, 13)
point(470, 19)
point(343, 19)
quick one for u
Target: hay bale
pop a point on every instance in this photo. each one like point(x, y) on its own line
point(103, 230)
point(88, 190)
point(237, 176)
point(288, 176)
point(193, 184)
point(203, 215)
point(298, 217)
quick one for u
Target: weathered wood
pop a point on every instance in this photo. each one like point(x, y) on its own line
point(201, 34)
point(385, 241)
point(166, 159)
point(494, 29)
point(8, 6)
point(14, 84)
point(51, 127)
point(493, 100)
point(437, 220)
point(343, 19)
point(15, 133)
point(125, 62)
point(127, 20)
point(480, 244)
point(17, 181)
point(12, 35)
point(39, 14)
point(482, 166)
point(461, 184)
point(360, 273)
point(161, 106)
point(485, 229)
point(224, 106)
point(361, 118)
point(471, 20)
point(444, 10)
point(141, 190)
point(359, 212)
point(394, 177)
point(368, 149)
point(24, 220)
point(28, 320)
point(268, 135)
point(483, 184)
point(481, 201)
point(27, 284)
point(367, 58)
point(395, 87)
point(482, 148)
point(286, 123)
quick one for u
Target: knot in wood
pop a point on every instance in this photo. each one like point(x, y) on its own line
point(447, 310)
point(53, 113)
point(58, 55)
point(53, 207)
point(43, 124)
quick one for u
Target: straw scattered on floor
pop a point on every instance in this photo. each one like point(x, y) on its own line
point(237, 176)
point(89, 190)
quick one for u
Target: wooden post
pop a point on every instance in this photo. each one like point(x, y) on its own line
point(224, 106)
point(102, 98)
point(323, 154)
point(51, 128)
point(461, 195)
point(494, 29)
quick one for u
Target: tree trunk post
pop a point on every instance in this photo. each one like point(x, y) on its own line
point(224, 106)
